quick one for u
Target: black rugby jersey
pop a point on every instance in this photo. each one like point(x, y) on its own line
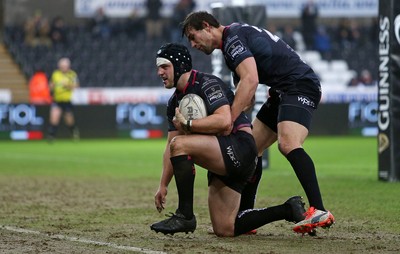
point(212, 90)
point(278, 65)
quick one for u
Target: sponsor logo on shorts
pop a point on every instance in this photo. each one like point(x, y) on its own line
point(232, 156)
point(214, 94)
point(305, 101)
point(236, 49)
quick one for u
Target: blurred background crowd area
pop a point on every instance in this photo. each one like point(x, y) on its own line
point(119, 52)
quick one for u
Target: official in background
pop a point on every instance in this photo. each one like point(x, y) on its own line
point(63, 81)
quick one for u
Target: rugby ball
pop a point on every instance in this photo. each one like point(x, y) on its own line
point(192, 107)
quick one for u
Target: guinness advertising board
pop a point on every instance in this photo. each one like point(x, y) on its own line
point(389, 91)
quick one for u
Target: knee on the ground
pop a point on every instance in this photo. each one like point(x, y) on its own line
point(224, 231)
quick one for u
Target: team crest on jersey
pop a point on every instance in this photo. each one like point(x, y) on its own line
point(236, 49)
point(214, 94)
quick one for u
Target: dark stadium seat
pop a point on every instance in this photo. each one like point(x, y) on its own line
point(127, 61)
point(119, 61)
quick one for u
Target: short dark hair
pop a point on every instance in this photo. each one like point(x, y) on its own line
point(195, 20)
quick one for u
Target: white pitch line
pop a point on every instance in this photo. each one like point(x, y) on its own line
point(81, 240)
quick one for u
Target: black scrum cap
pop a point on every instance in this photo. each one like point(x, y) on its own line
point(178, 55)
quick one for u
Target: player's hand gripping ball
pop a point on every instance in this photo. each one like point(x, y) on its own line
point(190, 107)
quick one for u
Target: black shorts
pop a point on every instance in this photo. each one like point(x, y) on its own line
point(240, 156)
point(65, 106)
point(280, 107)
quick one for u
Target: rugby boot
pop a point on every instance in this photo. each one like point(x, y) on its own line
point(314, 218)
point(298, 211)
point(174, 224)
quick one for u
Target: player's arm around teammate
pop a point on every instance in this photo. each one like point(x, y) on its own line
point(255, 55)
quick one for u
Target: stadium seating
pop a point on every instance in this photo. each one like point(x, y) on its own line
point(128, 61)
point(121, 61)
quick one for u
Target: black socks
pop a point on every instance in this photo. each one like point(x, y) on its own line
point(52, 130)
point(254, 218)
point(250, 190)
point(305, 171)
point(184, 173)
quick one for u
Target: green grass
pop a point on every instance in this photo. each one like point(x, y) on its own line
point(86, 158)
point(103, 190)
